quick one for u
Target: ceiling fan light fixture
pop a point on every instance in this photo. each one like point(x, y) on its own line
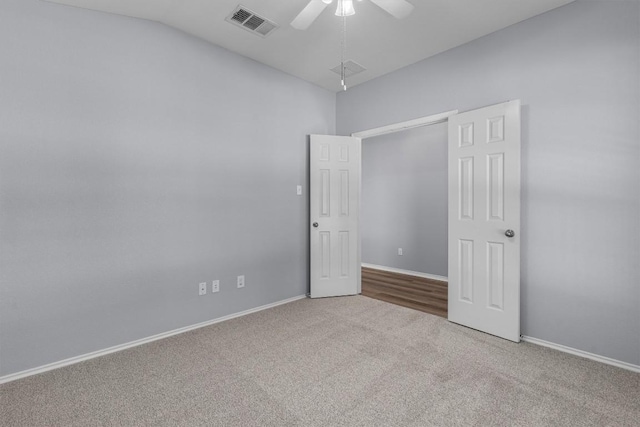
point(345, 8)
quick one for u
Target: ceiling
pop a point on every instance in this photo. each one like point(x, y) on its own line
point(375, 39)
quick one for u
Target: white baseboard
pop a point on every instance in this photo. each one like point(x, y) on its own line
point(98, 353)
point(407, 272)
point(581, 353)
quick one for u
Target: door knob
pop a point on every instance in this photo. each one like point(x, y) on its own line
point(509, 233)
point(315, 224)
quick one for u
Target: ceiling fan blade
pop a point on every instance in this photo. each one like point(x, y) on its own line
point(397, 8)
point(308, 14)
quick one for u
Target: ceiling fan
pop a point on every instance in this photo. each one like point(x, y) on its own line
point(396, 8)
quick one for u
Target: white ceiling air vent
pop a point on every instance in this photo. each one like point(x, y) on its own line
point(248, 20)
point(350, 68)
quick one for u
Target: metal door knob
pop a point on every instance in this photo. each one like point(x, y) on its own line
point(509, 233)
point(315, 224)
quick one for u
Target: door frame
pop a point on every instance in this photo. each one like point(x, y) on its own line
point(384, 130)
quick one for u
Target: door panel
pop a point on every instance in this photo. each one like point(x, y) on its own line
point(484, 202)
point(334, 205)
point(465, 188)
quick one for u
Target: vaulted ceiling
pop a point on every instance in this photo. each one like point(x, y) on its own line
point(375, 39)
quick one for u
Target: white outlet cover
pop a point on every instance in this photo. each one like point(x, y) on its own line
point(203, 288)
point(240, 281)
point(215, 286)
point(299, 190)
point(400, 251)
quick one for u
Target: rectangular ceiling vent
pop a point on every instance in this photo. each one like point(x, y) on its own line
point(243, 17)
point(350, 68)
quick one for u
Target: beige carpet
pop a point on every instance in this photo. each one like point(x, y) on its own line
point(350, 361)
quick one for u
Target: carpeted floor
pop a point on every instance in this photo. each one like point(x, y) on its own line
point(350, 361)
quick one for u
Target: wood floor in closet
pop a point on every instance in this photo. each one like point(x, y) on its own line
point(414, 292)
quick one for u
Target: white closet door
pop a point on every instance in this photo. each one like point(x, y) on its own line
point(334, 205)
point(484, 219)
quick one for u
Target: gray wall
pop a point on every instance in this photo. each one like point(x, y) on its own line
point(576, 70)
point(404, 200)
point(135, 162)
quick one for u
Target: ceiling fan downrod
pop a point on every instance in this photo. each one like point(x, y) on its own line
point(343, 53)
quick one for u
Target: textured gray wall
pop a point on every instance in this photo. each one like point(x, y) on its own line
point(404, 200)
point(576, 71)
point(135, 162)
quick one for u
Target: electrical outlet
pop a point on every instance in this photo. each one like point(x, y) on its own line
point(400, 251)
point(241, 281)
point(299, 190)
point(203, 289)
point(215, 286)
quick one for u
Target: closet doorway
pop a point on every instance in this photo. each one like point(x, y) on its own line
point(483, 216)
point(403, 218)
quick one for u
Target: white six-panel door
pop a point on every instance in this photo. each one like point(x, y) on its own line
point(334, 192)
point(484, 219)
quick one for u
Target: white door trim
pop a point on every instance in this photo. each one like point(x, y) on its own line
point(409, 124)
point(384, 130)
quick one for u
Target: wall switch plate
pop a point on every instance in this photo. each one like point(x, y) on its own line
point(400, 251)
point(241, 281)
point(203, 289)
point(299, 190)
point(215, 286)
